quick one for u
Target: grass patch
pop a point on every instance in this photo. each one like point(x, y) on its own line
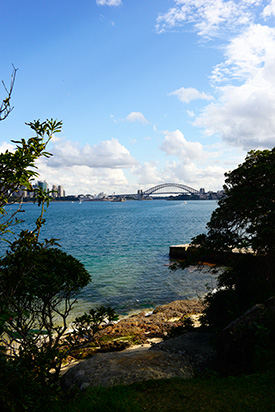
point(253, 393)
point(128, 338)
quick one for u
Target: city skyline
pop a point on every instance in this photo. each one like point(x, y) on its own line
point(148, 92)
point(57, 191)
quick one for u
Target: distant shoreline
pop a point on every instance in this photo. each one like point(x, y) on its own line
point(77, 200)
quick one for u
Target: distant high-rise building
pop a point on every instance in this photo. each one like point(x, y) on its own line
point(58, 191)
point(43, 185)
point(55, 191)
point(61, 191)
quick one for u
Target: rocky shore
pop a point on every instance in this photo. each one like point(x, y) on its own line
point(144, 328)
point(134, 349)
point(157, 324)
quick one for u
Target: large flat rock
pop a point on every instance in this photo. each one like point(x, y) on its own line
point(108, 369)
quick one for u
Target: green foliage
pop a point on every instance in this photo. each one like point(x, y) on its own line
point(240, 285)
point(17, 171)
point(88, 325)
point(38, 287)
point(223, 307)
point(20, 390)
point(42, 285)
point(245, 217)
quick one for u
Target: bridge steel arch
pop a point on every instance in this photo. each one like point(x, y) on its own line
point(163, 186)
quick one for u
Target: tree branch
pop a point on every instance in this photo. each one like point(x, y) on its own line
point(5, 107)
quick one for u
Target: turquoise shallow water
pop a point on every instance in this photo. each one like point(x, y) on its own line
point(125, 247)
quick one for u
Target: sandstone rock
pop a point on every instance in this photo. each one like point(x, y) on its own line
point(107, 369)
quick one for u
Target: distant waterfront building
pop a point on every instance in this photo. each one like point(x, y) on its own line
point(61, 191)
point(23, 192)
point(101, 195)
point(54, 191)
point(58, 191)
point(43, 185)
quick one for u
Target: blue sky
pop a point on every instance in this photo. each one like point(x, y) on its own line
point(149, 91)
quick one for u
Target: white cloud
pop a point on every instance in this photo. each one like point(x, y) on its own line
point(136, 117)
point(175, 144)
point(269, 10)
point(6, 146)
point(148, 174)
point(191, 165)
point(87, 169)
point(244, 115)
point(246, 54)
point(208, 17)
point(107, 154)
point(194, 166)
point(210, 177)
point(84, 179)
point(244, 118)
point(190, 113)
point(108, 2)
point(188, 94)
point(185, 172)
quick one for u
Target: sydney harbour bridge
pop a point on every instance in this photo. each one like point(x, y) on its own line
point(163, 189)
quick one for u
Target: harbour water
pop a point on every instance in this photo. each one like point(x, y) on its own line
point(125, 247)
